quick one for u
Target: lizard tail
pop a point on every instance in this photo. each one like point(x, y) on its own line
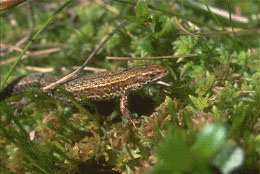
point(9, 89)
point(23, 83)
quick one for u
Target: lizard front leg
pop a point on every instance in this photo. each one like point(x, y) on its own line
point(124, 109)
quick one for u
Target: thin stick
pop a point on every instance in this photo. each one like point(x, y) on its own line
point(63, 68)
point(23, 40)
point(238, 32)
point(35, 53)
point(181, 27)
point(74, 73)
point(152, 58)
point(220, 12)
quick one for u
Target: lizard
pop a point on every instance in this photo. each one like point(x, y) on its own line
point(97, 87)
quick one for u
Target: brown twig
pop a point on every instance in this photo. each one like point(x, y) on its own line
point(95, 51)
point(46, 51)
point(23, 40)
point(220, 12)
point(181, 27)
point(11, 48)
point(63, 68)
point(239, 32)
point(152, 58)
point(88, 68)
point(50, 45)
point(8, 48)
point(39, 69)
point(35, 53)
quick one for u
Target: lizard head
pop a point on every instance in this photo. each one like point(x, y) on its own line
point(151, 73)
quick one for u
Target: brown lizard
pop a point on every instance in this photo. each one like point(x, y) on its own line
point(100, 86)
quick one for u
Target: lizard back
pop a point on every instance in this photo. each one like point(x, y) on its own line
point(107, 85)
point(100, 86)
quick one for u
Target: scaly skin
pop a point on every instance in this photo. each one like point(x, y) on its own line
point(100, 86)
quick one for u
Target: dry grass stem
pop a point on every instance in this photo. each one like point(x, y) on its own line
point(152, 58)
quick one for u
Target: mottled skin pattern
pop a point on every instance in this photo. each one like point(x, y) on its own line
point(23, 83)
point(108, 85)
point(100, 86)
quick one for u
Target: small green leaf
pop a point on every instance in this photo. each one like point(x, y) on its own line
point(135, 19)
point(200, 103)
point(229, 158)
point(160, 26)
point(210, 139)
point(141, 8)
